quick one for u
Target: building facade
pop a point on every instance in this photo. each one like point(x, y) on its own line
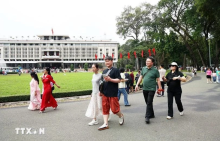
point(55, 51)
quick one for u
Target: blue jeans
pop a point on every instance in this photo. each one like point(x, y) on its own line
point(123, 91)
point(214, 79)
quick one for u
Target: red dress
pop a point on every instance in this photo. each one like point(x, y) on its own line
point(47, 99)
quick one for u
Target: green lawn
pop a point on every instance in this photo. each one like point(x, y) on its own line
point(13, 84)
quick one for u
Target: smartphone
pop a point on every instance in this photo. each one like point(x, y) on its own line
point(104, 75)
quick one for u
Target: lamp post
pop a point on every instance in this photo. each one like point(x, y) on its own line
point(209, 54)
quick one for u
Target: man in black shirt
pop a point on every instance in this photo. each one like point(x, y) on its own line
point(111, 78)
point(174, 78)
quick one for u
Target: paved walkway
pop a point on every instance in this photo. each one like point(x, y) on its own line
point(201, 102)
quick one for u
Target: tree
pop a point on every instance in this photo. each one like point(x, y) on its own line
point(71, 67)
point(86, 66)
point(131, 21)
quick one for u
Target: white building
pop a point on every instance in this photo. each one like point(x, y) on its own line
point(55, 51)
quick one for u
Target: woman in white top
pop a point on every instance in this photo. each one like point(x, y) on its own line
point(35, 100)
point(122, 88)
point(95, 106)
point(214, 76)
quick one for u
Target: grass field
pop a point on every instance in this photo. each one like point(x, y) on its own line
point(13, 84)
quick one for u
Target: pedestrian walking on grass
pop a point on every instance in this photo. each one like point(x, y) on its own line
point(47, 98)
point(151, 78)
point(95, 105)
point(109, 94)
point(35, 99)
point(174, 90)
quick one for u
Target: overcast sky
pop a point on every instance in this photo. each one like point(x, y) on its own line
point(86, 18)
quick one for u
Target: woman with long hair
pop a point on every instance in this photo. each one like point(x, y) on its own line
point(35, 100)
point(174, 78)
point(47, 98)
point(95, 106)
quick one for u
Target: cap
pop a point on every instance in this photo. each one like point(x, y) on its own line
point(173, 64)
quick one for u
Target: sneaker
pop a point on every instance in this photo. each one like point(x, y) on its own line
point(121, 120)
point(41, 112)
point(181, 113)
point(103, 127)
point(93, 122)
point(54, 108)
point(169, 117)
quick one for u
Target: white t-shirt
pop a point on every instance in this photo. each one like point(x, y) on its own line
point(122, 84)
point(162, 73)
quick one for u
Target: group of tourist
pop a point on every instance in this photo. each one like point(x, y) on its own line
point(108, 86)
point(47, 98)
point(212, 75)
point(107, 99)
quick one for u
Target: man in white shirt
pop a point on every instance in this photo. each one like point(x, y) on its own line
point(162, 72)
point(122, 88)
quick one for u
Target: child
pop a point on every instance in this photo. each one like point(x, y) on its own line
point(214, 76)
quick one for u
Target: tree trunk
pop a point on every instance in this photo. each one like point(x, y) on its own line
point(184, 61)
point(217, 54)
point(137, 64)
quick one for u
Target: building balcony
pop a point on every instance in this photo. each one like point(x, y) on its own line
point(50, 57)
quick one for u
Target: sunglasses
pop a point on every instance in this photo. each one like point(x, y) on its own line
point(172, 65)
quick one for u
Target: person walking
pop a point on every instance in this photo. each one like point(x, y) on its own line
point(128, 82)
point(95, 105)
point(208, 75)
point(132, 81)
point(137, 77)
point(122, 88)
point(173, 79)
point(214, 76)
point(35, 99)
point(47, 98)
point(162, 72)
point(151, 78)
point(111, 78)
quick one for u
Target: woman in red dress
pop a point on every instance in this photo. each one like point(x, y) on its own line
point(47, 99)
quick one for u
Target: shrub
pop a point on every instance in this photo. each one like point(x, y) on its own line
point(71, 67)
point(56, 95)
point(86, 67)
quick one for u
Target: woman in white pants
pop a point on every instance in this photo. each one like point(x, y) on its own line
point(95, 106)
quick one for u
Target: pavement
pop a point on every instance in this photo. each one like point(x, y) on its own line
point(200, 121)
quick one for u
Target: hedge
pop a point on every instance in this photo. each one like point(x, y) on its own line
point(11, 73)
point(56, 95)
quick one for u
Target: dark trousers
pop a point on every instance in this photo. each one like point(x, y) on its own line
point(177, 96)
point(149, 96)
point(162, 85)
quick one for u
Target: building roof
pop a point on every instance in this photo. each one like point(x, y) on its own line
point(53, 35)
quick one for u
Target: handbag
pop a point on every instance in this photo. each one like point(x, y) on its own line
point(101, 82)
